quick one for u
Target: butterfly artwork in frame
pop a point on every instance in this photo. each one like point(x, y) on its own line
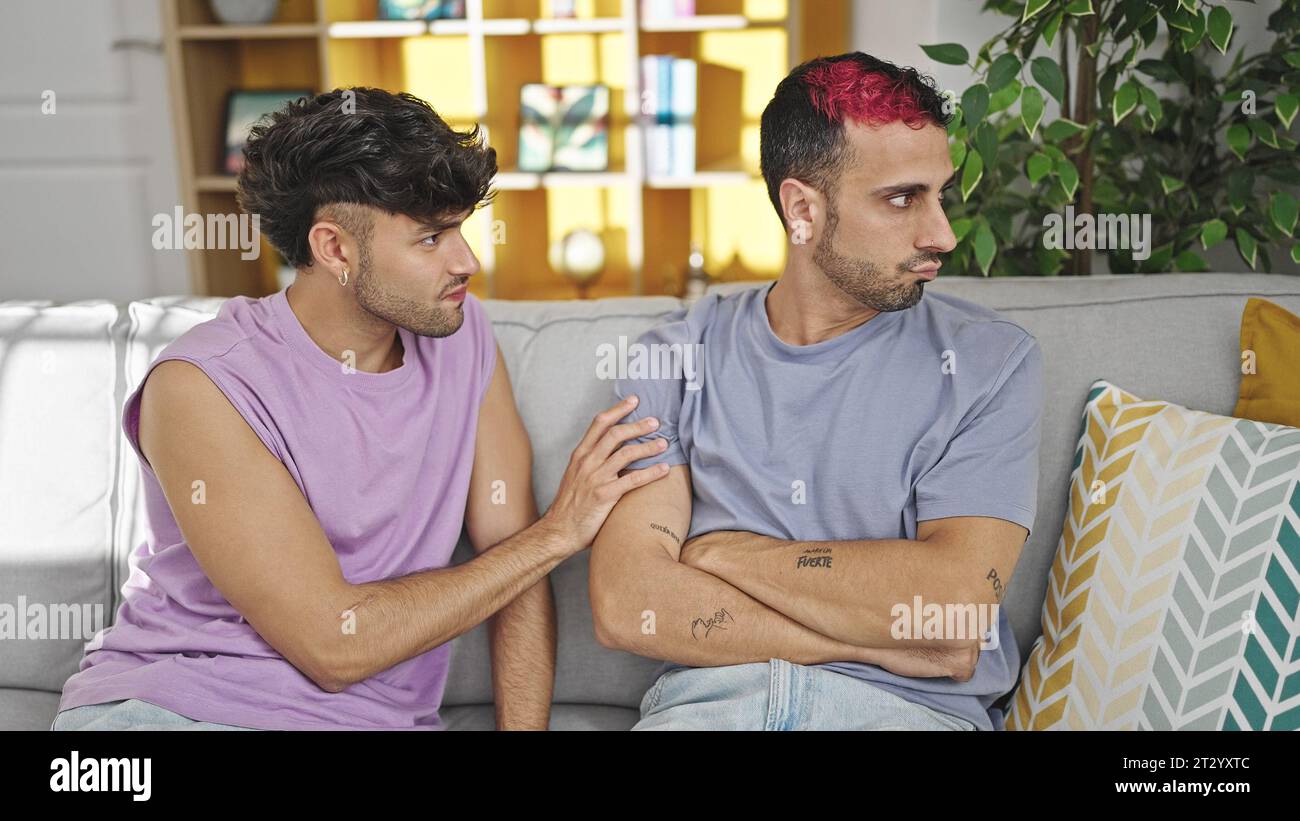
point(564, 128)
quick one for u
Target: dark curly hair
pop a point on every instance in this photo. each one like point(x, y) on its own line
point(358, 146)
point(802, 131)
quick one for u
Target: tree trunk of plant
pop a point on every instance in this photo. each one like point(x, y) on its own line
point(1085, 108)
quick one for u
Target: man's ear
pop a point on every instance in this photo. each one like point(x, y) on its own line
point(332, 246)
point(802, 207)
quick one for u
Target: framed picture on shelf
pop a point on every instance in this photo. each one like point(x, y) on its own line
point(243, 110)
point(421, 9)
point(563, 128)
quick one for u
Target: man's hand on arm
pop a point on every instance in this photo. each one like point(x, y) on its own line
point(260, 544)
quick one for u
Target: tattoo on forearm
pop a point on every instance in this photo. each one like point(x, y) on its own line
point(700, 628)
point(662, 529)
point(998, 590)
point(814, 557)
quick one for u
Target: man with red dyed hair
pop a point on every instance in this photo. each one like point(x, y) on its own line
point(847, 457)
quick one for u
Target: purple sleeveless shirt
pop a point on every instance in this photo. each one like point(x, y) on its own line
point(384, 461)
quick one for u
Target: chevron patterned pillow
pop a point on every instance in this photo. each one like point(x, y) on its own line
point(1173, 599)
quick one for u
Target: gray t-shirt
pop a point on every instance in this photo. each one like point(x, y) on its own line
point(914, 415)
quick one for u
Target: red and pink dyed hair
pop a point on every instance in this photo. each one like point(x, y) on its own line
point(848, 90)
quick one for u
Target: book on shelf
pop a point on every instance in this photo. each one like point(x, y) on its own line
point(421, 9)
point(563, 9)
point(668, 104)
point(655, 10)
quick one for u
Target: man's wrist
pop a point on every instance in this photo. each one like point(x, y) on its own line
point(555, 536)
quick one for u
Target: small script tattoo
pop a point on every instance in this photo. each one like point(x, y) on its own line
point(998, 590)
point(662, 529)
point(719, 621)
point(814, 557)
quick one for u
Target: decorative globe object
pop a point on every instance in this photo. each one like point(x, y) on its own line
point(244, 12)
point(580, 256)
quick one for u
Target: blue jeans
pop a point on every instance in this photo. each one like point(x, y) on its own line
point(779, 695)
point(131, 714)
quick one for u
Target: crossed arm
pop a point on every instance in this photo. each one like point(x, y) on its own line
point(734, 598)
point(847, 589)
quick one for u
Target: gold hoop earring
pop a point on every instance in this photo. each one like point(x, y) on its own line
point(343, 280)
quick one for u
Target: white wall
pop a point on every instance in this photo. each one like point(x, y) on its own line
point(79, 187)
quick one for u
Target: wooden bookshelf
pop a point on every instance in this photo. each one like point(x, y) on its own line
point(470, 71)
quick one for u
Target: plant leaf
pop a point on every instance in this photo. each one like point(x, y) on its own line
point(957, 152)
point(952, 54)
point(971, 174)
point(1069, 176)
point(1152, 104)
point(1285, 105)
point(1032, 7)
point(1168, 184)
point(1220, 27)
point(1239, 139)
point(1126, 97)
point(1213, 232)
point(961, 227)
point(1037, 166)
point(1049, 76)
point(1283, 211)
point(985, 247)
point(1062, 129)
point(1003, 98)
point(975, 104)
point(1264, 132)
point(1031, 108)
point(1053, 26)
point(1191, 39)
point(1191, 262)
point(1003, 70)
point(1079, 8)
point(1247, 247)
point(986, 143)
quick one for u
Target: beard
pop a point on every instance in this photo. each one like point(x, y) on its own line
point(423, 320)
point(862, 280)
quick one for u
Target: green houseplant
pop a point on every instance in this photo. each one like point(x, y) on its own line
point(1206, 155)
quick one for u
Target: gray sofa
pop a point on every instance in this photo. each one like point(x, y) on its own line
point(71, 511)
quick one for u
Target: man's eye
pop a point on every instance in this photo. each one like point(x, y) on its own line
point(430, 240)
point(894, 201)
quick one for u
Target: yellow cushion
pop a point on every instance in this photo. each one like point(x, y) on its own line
point(1272, 392)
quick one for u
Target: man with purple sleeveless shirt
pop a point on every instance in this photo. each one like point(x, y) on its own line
point(309, 458)
point(849, 459)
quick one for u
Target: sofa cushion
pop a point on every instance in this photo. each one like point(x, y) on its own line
point(1270, 379)
point(58, 373)
point(1174, 597)
point(27, 709)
